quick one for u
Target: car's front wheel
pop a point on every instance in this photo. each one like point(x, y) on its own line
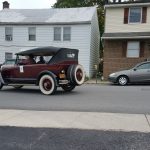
point(1, 85)
point(68, 87)
point(123, 80)
point(47, 84)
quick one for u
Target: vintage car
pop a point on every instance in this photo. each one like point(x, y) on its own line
point(59, 69)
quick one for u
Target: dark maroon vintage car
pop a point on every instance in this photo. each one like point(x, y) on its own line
point(46, 67)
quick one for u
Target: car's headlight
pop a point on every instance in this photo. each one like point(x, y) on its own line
point(112, 74)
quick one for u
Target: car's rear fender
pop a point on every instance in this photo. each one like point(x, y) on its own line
point(46, 73)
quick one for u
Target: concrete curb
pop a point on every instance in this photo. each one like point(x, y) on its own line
point(77, 120)
point(98, 82)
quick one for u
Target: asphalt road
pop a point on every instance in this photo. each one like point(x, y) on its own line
point(12, 138)
point(90, 98)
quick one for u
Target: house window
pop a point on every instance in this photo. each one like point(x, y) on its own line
point(135, 15)
point(8, 56)
point(67, 33)
point(32, 33)
point(133, 49)
point(8, 33)
point(57, 33)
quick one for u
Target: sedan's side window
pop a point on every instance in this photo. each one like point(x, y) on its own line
point(144, 66)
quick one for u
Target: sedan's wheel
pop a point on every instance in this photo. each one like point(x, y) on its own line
point(17, 86)
point(122, 80)
point(1, 85)
point(68, 87)
point(47, 84)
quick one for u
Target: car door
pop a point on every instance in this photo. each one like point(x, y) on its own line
point(141, 73)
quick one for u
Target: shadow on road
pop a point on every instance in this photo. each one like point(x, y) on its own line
point(36, 91)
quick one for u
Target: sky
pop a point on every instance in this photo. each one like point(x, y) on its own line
point(28, 4)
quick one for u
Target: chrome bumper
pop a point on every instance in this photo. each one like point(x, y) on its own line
point(1, 79)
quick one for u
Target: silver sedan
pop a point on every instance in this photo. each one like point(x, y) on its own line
point(138, 74)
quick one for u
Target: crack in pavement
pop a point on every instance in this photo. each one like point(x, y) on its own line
point(147, 120)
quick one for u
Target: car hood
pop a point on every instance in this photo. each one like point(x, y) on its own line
point(6, 66)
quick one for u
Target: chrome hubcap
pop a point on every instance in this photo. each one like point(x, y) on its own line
point(79, 74)
point(47, 84)
point(122, 80)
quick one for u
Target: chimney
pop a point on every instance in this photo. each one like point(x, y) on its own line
point(5, 5)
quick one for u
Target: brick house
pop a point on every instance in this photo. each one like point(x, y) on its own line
point(127, 35)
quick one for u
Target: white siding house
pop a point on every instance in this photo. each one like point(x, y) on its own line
point(30, 28)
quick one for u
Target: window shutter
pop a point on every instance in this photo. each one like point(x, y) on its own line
point(142, 49)
point(126, 14)
point(124, 48)
point(144, 14)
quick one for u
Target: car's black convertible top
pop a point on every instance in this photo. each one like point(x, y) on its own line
point(44, 51)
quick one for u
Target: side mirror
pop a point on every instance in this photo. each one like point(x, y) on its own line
point(134, 69)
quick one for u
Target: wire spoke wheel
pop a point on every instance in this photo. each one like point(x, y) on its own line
point(47, 85)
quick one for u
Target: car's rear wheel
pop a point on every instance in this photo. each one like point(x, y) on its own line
point(1, 85)
point(47, 84)
point(76, 74)
point(68, 87)
point(123, 80)
point(17, 86)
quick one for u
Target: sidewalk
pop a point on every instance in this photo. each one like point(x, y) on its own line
point(76, 120)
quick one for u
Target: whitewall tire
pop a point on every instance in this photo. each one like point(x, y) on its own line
point(79, 74)
point(76, 74)
point(47, 84)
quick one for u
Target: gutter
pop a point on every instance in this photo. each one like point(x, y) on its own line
point(132, 37)
point(45, 23)
point(126, 5)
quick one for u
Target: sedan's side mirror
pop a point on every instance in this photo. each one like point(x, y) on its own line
point(134, 69)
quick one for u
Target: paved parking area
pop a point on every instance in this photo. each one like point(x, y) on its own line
point(12, 138)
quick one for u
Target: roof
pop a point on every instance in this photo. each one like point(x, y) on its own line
point(47, 16)
point(130, 35)
point(42, 51)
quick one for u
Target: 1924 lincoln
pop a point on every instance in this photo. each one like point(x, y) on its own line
point(46, 67)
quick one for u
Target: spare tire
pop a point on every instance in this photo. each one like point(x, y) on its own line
point(76, 74)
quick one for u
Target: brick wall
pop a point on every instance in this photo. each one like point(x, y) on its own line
point(114, 59)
